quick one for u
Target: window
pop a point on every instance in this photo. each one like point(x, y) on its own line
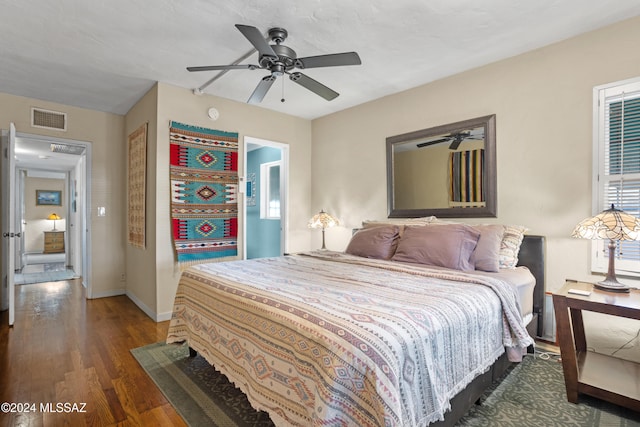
point(617, 165)
point(270, 190)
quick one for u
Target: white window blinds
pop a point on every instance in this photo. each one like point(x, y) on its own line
point(618, 171)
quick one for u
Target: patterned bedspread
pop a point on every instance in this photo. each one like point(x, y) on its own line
point(325, 338)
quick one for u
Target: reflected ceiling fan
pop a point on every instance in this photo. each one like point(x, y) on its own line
point(279, 59)
point(456, 139)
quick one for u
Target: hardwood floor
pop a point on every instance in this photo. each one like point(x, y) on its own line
point(64, 349)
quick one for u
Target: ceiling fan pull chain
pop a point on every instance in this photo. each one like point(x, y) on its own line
point(282, 99)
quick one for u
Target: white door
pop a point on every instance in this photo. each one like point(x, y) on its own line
point(8, 220)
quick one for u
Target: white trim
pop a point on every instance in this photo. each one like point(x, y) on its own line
point(265, 189)
point(86, 213)
point(157, 317)
point(163, 317)
point(109, 293)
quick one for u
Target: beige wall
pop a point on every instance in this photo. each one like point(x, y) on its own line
point(105, 133)
point(183, 106)
point(35, 215)
point(543, 104)
point(141, 263)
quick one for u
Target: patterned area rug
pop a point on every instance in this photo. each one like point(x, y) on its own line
point(532, 393)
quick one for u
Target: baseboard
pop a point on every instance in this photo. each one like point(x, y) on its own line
point(163, 317)
point(142, 306)
point(148, 311)
point(107, 294)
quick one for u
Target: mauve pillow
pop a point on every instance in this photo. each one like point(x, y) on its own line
point(486, 257)
point(448, 246)
point(374, 242)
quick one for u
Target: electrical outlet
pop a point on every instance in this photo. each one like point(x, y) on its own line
point(123, 278)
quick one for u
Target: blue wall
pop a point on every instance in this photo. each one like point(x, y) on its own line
point(263, 235)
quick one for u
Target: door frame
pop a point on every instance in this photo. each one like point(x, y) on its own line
point(82, 231)
point(284, 190)
point(8, 220)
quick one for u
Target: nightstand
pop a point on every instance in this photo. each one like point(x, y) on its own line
point(53, 242)
point(585, 372)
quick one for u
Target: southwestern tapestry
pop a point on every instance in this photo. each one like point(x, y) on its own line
point(204, 190)
point(137, 182)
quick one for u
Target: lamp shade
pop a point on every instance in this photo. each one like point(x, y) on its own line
point(322, 220)
point(610, 224)
point(54, 217)
point(613, 225)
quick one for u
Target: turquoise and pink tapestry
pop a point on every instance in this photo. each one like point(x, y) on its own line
point(204, 189)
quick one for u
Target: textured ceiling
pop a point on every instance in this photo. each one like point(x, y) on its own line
point(105, 55)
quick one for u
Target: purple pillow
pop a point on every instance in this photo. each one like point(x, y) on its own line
point(486, 257)
point(375, 242)
point(448, 246)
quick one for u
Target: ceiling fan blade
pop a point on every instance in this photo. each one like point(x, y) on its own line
point(435, 141)
point(223, 67)
point(257, 40)
point(314, 86)
point(331, 60)
point(455, 144)
point(261, 90)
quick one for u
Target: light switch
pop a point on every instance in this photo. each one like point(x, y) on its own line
point(102, 211)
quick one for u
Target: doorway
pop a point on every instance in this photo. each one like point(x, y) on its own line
point(43, 253)
point(52, 182)
point(266, 166)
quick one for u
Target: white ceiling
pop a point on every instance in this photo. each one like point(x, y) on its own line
point(37, 154)
point(105, 55)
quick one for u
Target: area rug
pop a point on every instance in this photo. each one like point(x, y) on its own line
point(204, 193)
point(44, 275)
point(532, 393)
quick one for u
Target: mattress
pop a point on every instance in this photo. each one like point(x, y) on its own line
point(523, 283)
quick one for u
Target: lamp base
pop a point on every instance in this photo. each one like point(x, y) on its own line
point(611, 286)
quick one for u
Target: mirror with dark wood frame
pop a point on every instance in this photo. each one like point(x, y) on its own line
point(448, 171)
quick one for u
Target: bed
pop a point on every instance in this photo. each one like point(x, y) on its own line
point(347, 338)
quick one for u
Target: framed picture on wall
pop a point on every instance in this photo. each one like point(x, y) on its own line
point(48, 198)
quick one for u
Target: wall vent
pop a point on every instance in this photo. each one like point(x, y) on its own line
point(48, 119)
point(76, 150)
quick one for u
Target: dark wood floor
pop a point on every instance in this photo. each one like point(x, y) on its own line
point(69, 350)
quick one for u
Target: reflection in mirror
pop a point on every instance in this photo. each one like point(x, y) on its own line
point(447, 171)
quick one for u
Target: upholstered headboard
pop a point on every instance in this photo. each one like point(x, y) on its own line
point(532, 256)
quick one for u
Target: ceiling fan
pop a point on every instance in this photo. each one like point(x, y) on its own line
point(456, 139)
point(279, 59)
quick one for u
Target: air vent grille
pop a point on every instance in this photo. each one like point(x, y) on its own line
point(48, 119)
point(67, 149)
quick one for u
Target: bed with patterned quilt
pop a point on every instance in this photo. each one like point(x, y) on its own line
point(389, 332)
